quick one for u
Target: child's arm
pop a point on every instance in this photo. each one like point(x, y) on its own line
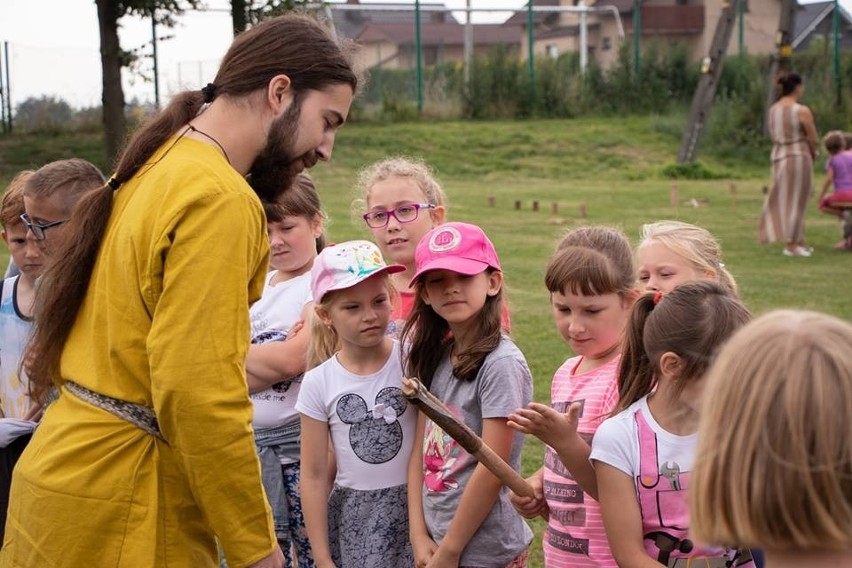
point(478, 498)
point(829, 180)
point(270, 363)
point(527, 506)
point(622, 517)
point(314, 487)
point(559, 431)
point(421, 543)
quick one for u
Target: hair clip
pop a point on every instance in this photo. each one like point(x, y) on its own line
point(658, 295)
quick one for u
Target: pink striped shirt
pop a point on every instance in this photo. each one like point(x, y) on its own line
point(575, 535)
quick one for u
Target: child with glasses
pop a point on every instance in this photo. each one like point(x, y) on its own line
point(16, 308)
point(50, 195)
point(401, 201)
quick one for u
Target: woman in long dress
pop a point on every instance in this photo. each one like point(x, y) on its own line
point(795, 140)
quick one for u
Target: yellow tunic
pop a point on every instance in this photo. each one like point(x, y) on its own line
point(165, 324)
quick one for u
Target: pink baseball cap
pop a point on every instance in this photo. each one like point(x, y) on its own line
point(460, 247)
point(343, 265)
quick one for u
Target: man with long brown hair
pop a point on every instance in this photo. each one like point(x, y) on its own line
point(147, 453)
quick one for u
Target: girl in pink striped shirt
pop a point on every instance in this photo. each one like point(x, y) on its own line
point(592, 284)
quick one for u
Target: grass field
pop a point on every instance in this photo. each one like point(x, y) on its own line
point(611, 166)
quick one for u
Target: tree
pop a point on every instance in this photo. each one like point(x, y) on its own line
point(245, 12)
point(113, 58)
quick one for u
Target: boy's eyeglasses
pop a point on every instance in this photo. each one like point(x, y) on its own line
point(38, 229)
point(404, 214)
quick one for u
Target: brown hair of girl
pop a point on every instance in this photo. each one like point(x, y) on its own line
point(592, 261)
point(297, 46)
point(430, 339)
point(301, 200)
point(692, 321)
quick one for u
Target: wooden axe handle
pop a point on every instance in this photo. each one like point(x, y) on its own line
point(438, 413)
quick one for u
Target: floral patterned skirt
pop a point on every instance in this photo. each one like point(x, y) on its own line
point(369, 528)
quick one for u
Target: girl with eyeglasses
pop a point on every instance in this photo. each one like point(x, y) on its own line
point(401, 201)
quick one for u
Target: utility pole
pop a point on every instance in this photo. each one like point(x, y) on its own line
point(419, 54)
point(835, 32)
point(2, 97)
point(784, 52)
point(8, 87)
point(154, 55)
point(468, 49)
point(711, 71)
point(637, 35)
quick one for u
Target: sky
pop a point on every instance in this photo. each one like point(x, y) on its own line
point(54, 48)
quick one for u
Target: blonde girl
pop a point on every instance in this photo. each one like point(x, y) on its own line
point(643, 455)
point(460, 514)
point(672, 252)
point(354, 398)
point(592, 285)
point(278, 356)
point(778, 475)
point(400, 201)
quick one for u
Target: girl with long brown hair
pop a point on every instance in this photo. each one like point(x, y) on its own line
point(144, 325)
point(460, 515)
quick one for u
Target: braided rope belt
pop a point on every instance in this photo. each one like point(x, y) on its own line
point(140, 416)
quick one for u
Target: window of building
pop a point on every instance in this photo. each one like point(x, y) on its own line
point(552, 50)
point(606, 44)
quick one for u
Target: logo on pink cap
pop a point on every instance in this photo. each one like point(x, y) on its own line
point(444, 239)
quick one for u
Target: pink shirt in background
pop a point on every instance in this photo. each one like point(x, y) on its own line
point(840, 165)
point(575, 535)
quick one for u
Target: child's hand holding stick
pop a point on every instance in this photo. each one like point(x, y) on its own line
point(435, 410)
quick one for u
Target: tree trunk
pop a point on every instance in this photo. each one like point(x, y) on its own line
point(239, 15)
point(115, 126)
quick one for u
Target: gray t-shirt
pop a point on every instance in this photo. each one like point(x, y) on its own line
point(503, 384)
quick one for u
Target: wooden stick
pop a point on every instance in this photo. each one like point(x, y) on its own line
point(438, 413)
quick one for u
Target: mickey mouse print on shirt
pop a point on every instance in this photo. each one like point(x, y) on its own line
point(374, 435)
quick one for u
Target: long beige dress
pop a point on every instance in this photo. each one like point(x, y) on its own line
point(783, 216)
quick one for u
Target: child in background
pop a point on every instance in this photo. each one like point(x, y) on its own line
point(401, 201)
point(592, 285)
point(672, 252)
point(354, 396)
point(16, 308)
point(643, 455)
point(274, 366)
point(787, 378)
point(839, 174)
point(460, 514)
point(50, 195)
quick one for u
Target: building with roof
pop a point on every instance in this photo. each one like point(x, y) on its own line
point(688, 22)
point(386, 35)
point(816, 21)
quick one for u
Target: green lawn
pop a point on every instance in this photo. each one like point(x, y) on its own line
point(612, 166)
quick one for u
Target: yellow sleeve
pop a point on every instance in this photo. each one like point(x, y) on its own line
point(214, 255)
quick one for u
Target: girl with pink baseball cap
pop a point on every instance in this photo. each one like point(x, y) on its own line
point(460, 514)
point(352, 394)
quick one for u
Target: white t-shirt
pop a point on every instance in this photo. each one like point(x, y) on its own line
point(271, 319)
point(15, 331)
point(371, 422)
point(616, 442)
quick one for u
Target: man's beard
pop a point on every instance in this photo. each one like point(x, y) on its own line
point(273, 172)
